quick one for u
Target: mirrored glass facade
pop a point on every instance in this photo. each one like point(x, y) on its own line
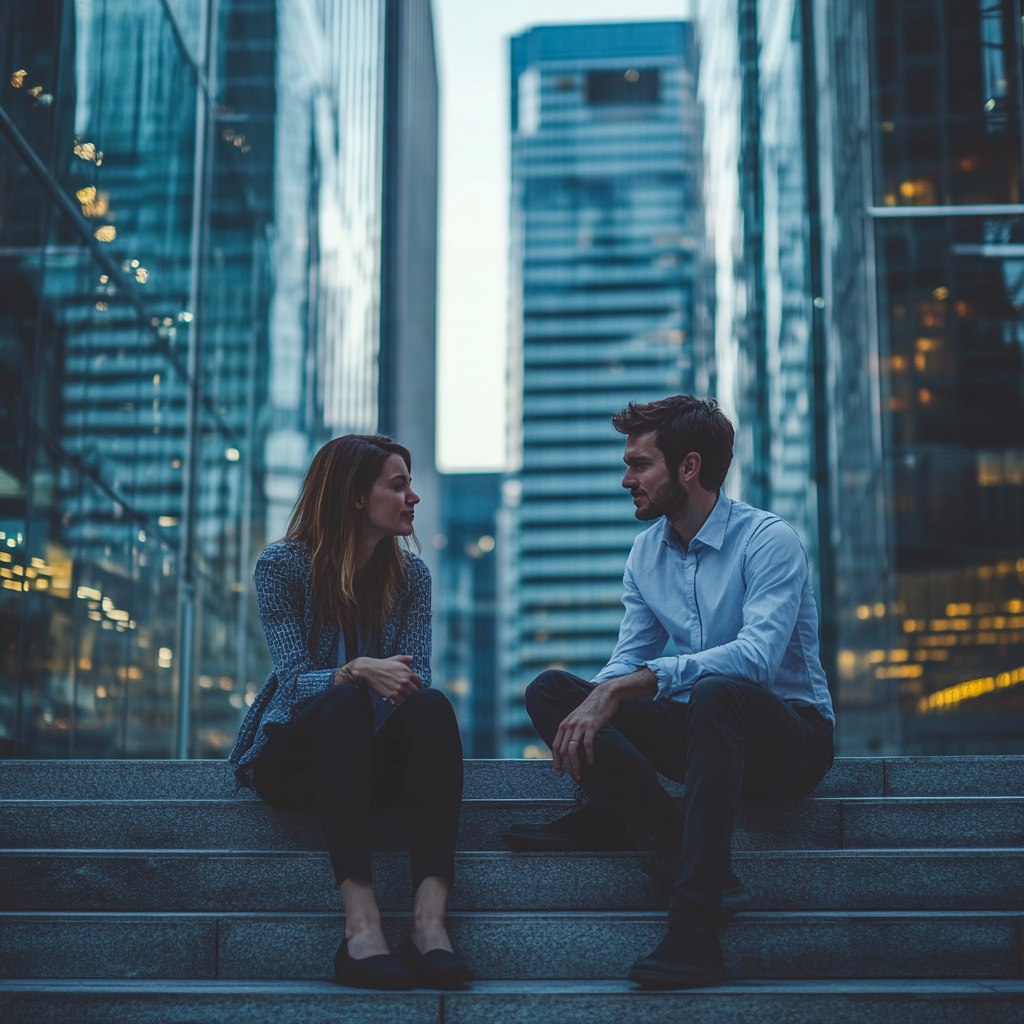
point(466, 623)
point(605, 239)
point(193, 209)
point(873, 355)
point(946, 119)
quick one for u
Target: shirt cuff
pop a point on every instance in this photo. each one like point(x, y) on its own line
point(666, 671)
point(613, 672)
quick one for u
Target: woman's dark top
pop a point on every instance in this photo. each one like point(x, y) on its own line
point(305, 657)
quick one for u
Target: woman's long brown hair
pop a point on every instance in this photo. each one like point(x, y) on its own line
point(327, 521)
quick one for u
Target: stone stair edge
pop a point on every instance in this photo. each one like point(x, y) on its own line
point(854, 985)
point(821, 823)
point(977, 775)
point(578, 946)
point(210, 763)
point(937, 1001)
point(615, 915)
point(563, 856)
point(831, 798)
point(929, 879)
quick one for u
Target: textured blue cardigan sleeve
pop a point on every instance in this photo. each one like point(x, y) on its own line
point(412, 635)
point(282, 592)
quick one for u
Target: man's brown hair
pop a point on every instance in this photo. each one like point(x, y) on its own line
point(684, 424)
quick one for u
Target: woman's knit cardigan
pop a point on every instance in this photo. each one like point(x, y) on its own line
point(305, 658)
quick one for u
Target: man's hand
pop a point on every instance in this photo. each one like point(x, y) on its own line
point(579, 728)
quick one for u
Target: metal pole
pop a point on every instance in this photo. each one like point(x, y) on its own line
point(248, 468)
point(191, 464)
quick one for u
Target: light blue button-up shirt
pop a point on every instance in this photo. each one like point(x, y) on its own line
point(738, 604)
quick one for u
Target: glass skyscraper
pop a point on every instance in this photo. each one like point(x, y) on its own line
point(865, 169)
point(213, 256)
point(606, 235)
point(946, 116)
point(466, 619)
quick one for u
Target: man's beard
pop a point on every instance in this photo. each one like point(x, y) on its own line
point(668, 499)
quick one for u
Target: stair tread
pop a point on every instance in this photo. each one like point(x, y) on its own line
point(201, 851)
point(955, 878)
point(577, 945)
point(499, 915)
point(526, 801)
point(536, 987)
point(819, 823)
point(878, 776)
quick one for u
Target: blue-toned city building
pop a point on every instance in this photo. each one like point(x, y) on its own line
point(606, 235)
point(865, 233)
point(466, 609)
point(217, 252)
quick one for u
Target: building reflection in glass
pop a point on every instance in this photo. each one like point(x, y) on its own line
point(896, 129)
point(154, 235)
point(950, 295)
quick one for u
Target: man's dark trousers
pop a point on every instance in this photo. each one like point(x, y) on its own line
point(732, 740)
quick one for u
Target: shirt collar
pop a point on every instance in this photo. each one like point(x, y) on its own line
point(712, 533)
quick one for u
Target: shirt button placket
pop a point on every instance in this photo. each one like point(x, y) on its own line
point(691, 590)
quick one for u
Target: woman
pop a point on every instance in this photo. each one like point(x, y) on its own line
point(348, 723)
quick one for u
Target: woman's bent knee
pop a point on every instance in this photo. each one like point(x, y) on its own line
point(431, 703)
point(347, 701)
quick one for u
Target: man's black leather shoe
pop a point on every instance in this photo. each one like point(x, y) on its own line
point(585, 829)
point(688, 957)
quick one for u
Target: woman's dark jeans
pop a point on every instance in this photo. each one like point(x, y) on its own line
point(327, 759)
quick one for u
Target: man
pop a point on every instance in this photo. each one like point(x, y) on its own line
point(742, 711)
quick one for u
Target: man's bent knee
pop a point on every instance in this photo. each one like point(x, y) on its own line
point(551, 684)
point(713, 692)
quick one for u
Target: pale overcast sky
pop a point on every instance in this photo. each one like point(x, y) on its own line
point(472, 51)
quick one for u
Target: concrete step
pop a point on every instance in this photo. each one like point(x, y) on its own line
point(575, 945)
point(541, 1002)
point(818, 824)
point(235, 824)
point(212, 880)
point(510, 779)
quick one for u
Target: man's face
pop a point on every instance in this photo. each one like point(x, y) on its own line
point(654, 491)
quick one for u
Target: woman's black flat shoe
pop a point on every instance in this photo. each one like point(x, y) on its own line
point(437, 968)
point(383, 971)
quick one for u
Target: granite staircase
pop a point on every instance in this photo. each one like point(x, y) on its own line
point(141, 891)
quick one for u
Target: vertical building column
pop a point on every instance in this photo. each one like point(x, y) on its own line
point(408, 284)
point(192, 464)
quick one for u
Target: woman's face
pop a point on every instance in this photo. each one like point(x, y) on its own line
point(389, 508)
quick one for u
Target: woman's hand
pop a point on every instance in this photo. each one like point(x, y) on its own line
point(390, 677)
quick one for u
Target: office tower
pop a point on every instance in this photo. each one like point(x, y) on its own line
point(466, 620)
point(194, 244)
point(905, 160)
point(605, 235)
point(946, 132)
point(353, 315)
point(764, 261)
